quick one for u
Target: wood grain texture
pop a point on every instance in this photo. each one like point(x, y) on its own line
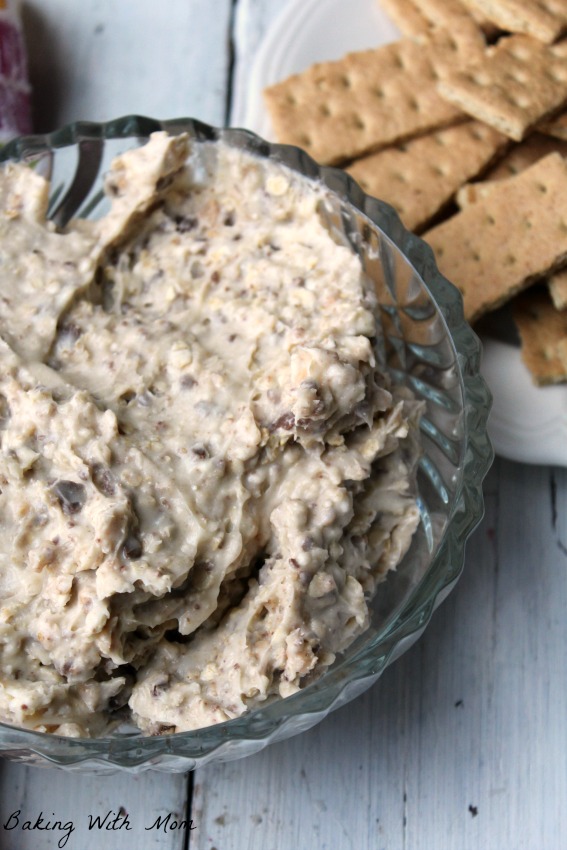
point(134, 801)
point(99, 59)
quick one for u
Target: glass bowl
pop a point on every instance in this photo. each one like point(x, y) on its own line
point(426, 345)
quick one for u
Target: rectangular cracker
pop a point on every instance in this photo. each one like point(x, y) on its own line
point(543, 332)
point(417, 18)
point(541, 19)
point(421, 176)
point(500, 244)
point(519, 158)
point(469, 193)
point(453, 16)
point(557, 127)
point(368, 100)
point(557, 285)
point(520, 83)
point(406, 15)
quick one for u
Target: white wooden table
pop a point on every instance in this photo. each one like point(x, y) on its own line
point(462, 744)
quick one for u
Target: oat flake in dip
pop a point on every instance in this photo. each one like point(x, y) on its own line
point(203, 473)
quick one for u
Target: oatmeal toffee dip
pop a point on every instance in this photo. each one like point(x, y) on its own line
point(203, 473)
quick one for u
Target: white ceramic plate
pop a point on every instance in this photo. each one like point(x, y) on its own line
point(526, 424)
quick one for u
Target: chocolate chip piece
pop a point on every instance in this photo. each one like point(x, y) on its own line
point(200, 451)
point(187, 382)
point(162, 729)
point(285, 421)
point(70, 332)
point(132, 547)
point(102, 479)
point(70, 495)
point(160, 687)
point(185, 223)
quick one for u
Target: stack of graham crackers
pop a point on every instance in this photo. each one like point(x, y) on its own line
point(461, 125)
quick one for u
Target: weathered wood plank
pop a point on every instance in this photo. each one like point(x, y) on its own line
point(134, 803)
point(99, 59)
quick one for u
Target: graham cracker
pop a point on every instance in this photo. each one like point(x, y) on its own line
point(561, 350)
point(368, 100)
point(560, 47)
point(507, 240)
point(520, 157)
point(406, 15)
point(519, 83)
point(420, 177)
point(557, 127)
point(557, 285)
point(461, 45)
point(453, 16)
point(416, 18)
point(543, 332)
point(541, 19)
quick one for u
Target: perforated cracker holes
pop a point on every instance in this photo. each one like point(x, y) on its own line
point(341, 110)
point(520, 83)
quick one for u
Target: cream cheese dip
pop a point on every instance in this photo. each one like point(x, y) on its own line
point(203, 472)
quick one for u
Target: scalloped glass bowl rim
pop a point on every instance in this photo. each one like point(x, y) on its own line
point(319, 698)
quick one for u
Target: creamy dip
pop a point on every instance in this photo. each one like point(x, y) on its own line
point(203, 472)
